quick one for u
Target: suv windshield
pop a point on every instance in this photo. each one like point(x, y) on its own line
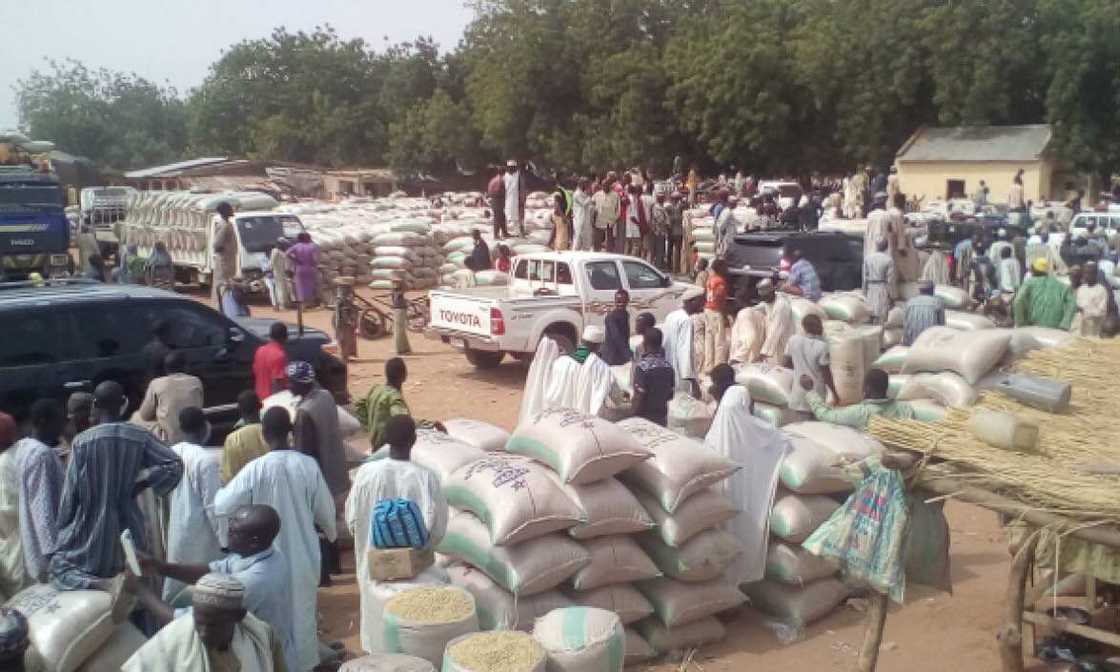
point(259, 233)
point(30, 194)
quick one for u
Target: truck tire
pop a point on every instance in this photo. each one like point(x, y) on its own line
point(484, 359)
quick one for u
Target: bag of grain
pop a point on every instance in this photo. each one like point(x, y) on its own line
point(895, 318)
point(580, 448)
point(948, 389)
point(680, 466)
point(926, 410)
point(624, 600)
point(797, 605)
point(376, 593)
point(66, 627)
point(527, 568)
point(125, 641)
point(968, 353)
point(421, 621)
point(848, 366)
point(963, 321)
point(795, 517)
point(777, 416)
point(387, 662)
point(704, 510)
point(701, 558)
point(499, 609)
point(677, 603)
point(802, 307)
point(499, 651)
point(607, 508)
point(770, 384)
point(689, 416)
point(892, 338)
point(850, 444)
point(638, 649)
point(846, 307)
point(892, 360)
point(954, 298)
point(481, 435)
point(790, 563)
point(516, 497)
point(1025, 339)
point(438, 452)
point(665, 640)
point(813, 469)
point(616, 559)
point(582, 639)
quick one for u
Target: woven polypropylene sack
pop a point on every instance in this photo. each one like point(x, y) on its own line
point(846, 307)
point(499, 651)
point(608, 507)
point(443, 454)
point(965, 321)
point(125, 641)
point(1025, 339)
point(617, 559)
point(702, 511)
point(638, 649)
point(691, 635)
point(776, 416)
point(623, 599)
point(850, 444)
point(481, 435)
point(499, 609)
point(516, 497)
point(971, 354)
point(413, 624)
point(530, 567)
point(680, 466)
point(811, 468)
point(892, 360)
point(582, 639)
point(954, 298)
point(795, 517)
point(947, 389)
point(66, 627)
point(790, 563)
point(702, 558)
point(848, 365)
point(676, 602)
point(387, 662)
point(770, 384)
point(689, 416)
point(376, 593)
point(797, 605)
point(580, 448)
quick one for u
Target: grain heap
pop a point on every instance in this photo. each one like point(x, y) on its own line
point(494, 652)
point(676, 488)
point(181, 220)
point(421, 621)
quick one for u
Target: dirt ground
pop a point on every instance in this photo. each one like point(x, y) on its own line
point(933, 632)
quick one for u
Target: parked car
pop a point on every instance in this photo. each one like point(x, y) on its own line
point(837, 258)
point(69, 336)
point(551, 294)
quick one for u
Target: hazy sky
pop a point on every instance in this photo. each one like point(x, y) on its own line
point(175, 41)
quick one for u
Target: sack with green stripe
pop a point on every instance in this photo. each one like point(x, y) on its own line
point(580, 448)
point(582, 639)
point(421, 621)
point(517, 498)
point(499, 609)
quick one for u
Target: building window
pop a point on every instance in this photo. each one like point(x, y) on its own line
point(955, 189)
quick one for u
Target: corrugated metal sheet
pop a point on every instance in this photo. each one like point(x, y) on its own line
point(171, 168)
point(978, 143)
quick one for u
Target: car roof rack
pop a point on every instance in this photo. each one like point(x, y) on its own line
point(51, 282)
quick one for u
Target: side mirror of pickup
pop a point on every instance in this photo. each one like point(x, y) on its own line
point(666, 281)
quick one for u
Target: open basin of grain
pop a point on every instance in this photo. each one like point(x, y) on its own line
point(498, 651)
point(431, 605)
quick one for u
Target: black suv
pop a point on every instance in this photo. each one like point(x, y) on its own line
point(837, 258)
point(69, 336)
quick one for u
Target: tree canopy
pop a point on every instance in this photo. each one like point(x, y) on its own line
point(770, 86)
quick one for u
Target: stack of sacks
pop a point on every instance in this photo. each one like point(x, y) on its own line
point(954, 298)
point(892, 328)
point(407, 254)
point(676, 488)
point(700, 229)
point(770, 388)
point(799, 587)
point(850, 307)
point(957, 360)
point(852, 352)
point(802, 307)
point(544, 524)
point(585, 454)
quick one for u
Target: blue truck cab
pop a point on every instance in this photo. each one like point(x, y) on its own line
point(34, 231)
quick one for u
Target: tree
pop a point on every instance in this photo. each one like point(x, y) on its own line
point(116, 119)
point(435, 135)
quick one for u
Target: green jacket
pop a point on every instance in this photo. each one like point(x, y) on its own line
point(383, 403)
point(1044, 301)
point(857, 416)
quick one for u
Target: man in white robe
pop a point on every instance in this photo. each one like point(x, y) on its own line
point(907, 265)
point(515, 215)
point(533, 400)
point(581, 380)
point(216, 636)
point(392, 478)
point(582, 207)
point(747, 335)
point(679, 342)
point(879, 227)
point(759, 449)
point(1092, 304)
point(936, 269)
point(879, 282)
point(780, 326)
point(291, 483)
point(193, 530)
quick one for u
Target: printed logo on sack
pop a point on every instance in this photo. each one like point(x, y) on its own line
point(464, 319)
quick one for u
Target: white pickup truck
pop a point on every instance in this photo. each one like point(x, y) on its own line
point(550, 293)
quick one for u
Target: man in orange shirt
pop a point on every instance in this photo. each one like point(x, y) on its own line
point(270, 361)
point(715, 317)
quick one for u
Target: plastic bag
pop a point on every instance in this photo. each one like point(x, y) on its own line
point(867, 535)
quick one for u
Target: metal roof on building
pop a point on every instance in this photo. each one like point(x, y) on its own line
point(977, 143)
point(172, 169)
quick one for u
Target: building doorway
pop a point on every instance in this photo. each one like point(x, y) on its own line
point(954, 189)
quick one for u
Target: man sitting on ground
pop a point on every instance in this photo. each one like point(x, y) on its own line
point(857, 416)
point(219, 634)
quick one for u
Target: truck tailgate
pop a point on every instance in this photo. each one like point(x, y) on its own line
point(461, 313)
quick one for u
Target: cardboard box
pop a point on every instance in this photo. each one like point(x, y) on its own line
point(390, 564)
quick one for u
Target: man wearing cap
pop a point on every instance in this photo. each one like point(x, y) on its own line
point(582, 208)
point(581, 380)
point(192, 534)
point(218, 635)
point(515, 197)
point(679, 342)
point(1043, 300)
point(780, 327)
point(726, 226)
point(906, 261)
point(879, 281)
point(922, 312)
point(878, 227)
point(316, 426)
point(675, 211)
point(291, 483)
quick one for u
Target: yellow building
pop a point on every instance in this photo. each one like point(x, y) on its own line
point(938, 163)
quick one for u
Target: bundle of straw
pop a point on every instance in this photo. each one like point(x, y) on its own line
point(1056, 479)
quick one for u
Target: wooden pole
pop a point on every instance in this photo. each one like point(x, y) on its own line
point(873, 634)
point(1011, 634)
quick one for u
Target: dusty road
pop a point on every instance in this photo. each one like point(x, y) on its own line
point(933, 632)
